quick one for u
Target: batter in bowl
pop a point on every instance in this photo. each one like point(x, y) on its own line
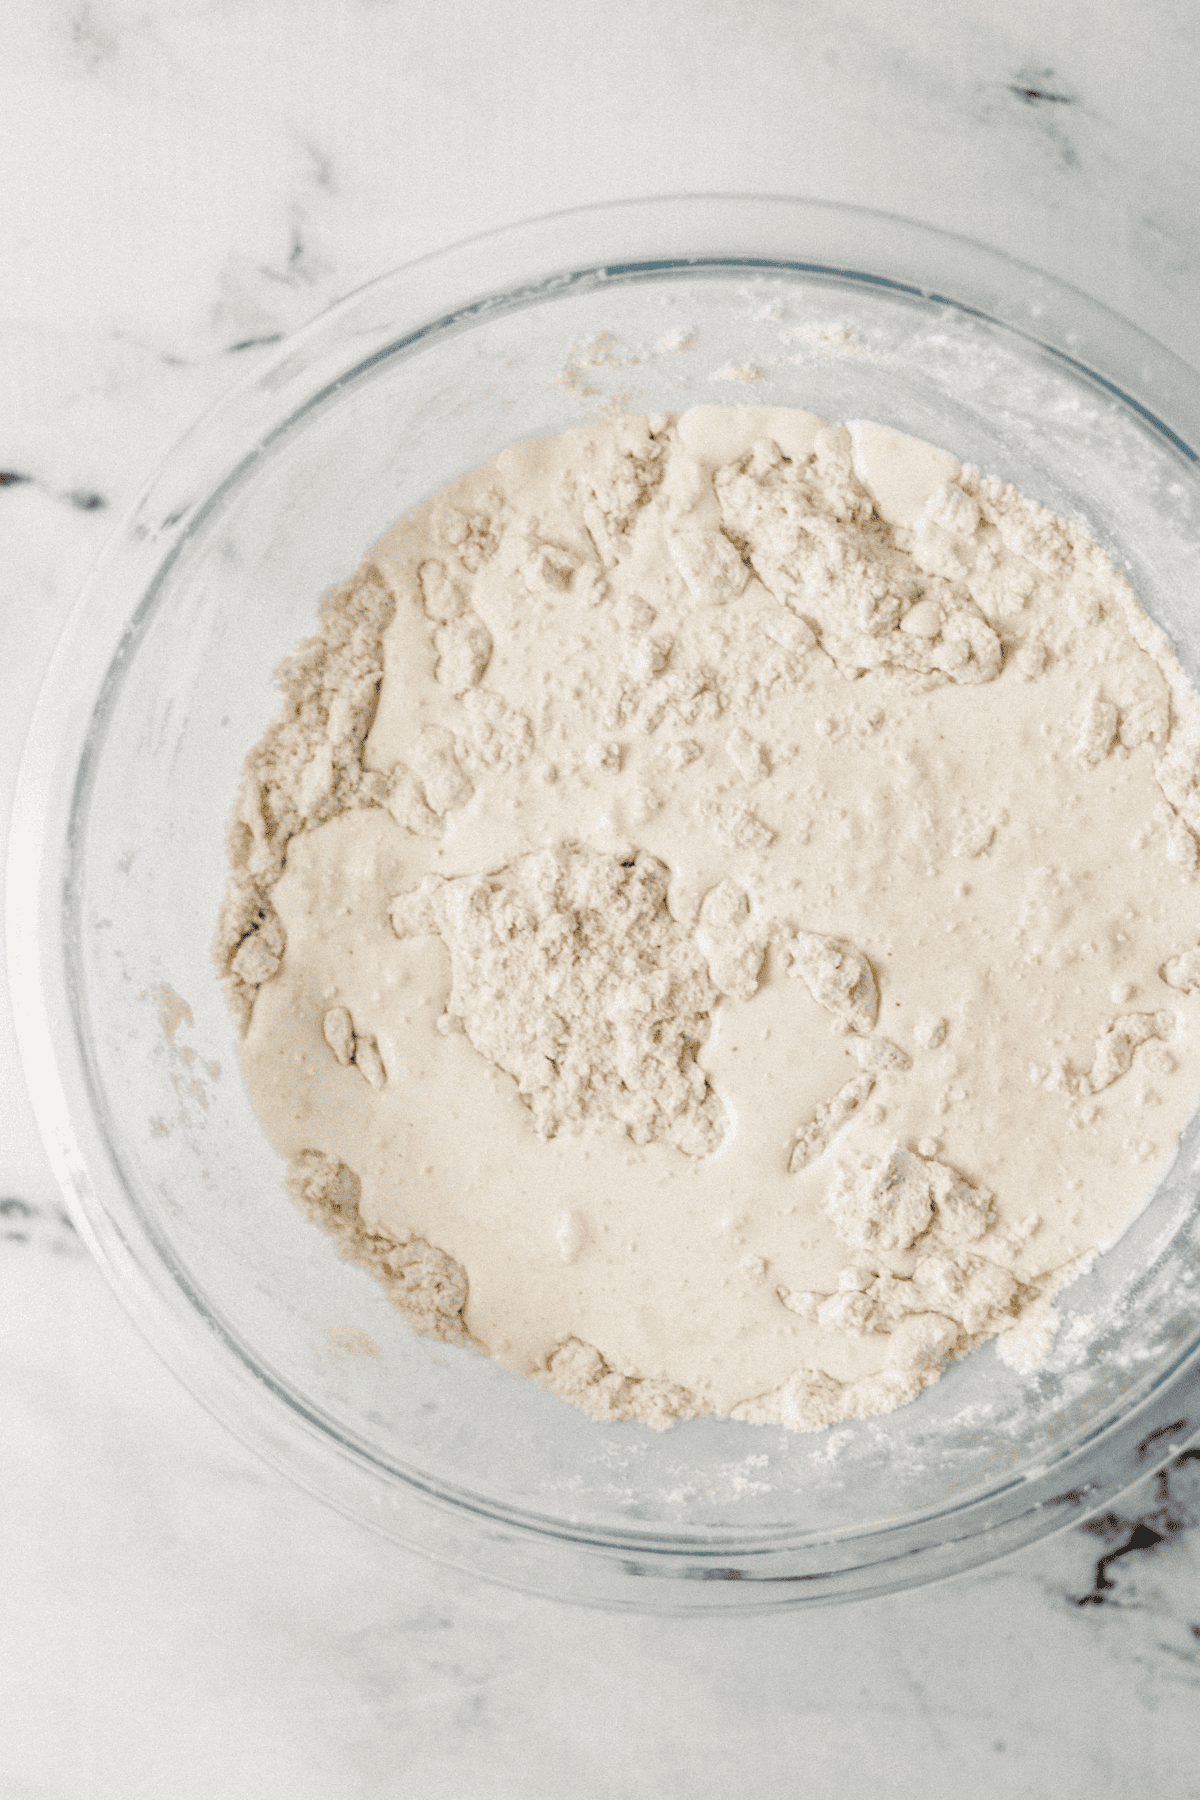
point(715, 926)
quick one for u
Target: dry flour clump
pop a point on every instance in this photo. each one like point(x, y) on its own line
point(422, 1282)
point(571, 975)
point(307, 769)
point(631, 808)
point(577, 1372)
point(813, 537)
point(893, 1202)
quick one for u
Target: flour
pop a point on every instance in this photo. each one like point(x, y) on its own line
point(307, 769)
point(714, 925)
point(422, 1281)
point(570, 974)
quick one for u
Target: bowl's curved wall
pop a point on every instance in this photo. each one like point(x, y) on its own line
point(117, 866)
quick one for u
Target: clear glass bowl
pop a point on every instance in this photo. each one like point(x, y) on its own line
point(163, 681)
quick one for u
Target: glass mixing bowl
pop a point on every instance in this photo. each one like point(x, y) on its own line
point(163, 681)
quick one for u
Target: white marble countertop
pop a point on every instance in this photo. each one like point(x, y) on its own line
point(184, 181)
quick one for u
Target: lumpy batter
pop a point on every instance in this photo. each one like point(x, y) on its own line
point(714, 924)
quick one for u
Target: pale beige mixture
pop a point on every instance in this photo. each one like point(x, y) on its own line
point(716, 924)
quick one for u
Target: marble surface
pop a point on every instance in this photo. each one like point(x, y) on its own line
point(185, 181)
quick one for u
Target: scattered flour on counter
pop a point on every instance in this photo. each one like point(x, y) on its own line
point(630, 807)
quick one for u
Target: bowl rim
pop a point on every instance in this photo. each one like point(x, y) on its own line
point(446, 291)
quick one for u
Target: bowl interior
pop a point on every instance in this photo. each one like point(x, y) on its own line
point(174, 1157)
